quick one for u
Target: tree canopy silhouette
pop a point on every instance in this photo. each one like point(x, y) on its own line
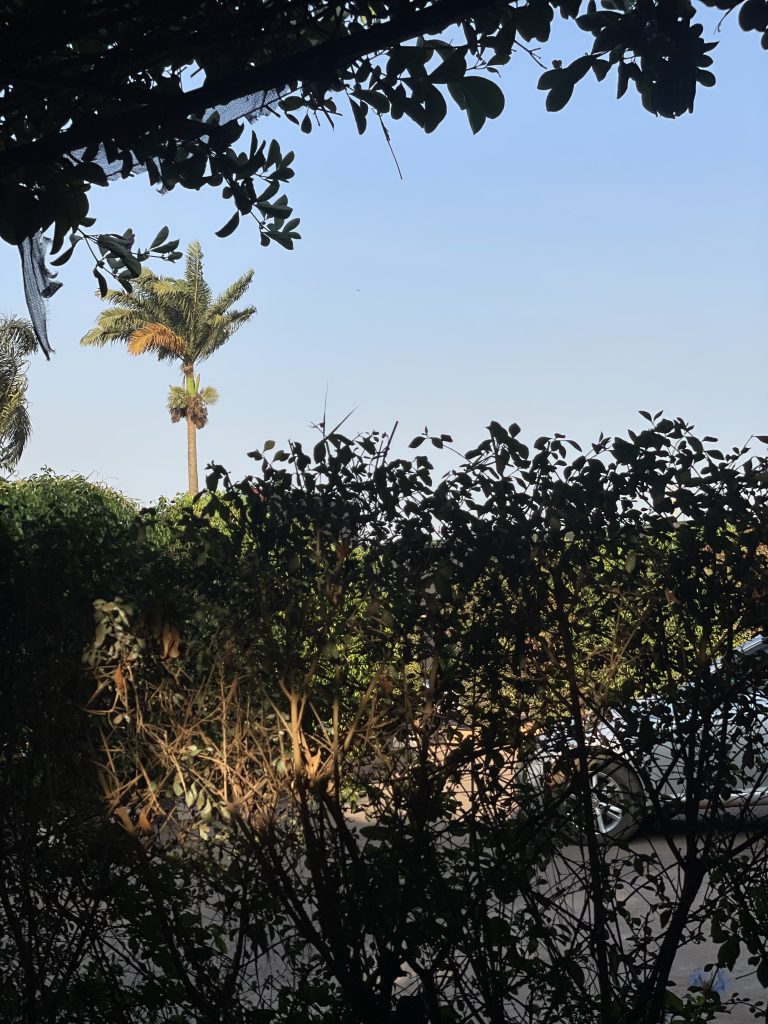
point(94, 88)
point(95, 91)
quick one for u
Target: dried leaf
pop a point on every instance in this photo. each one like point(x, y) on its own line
point(145, 825)
point(120, 683)
point(171, 638)
point(122, 815)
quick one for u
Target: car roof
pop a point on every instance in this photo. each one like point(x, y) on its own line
point(753, 645)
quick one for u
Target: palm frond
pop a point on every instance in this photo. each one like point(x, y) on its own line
point(195, 279)
point(114, 325)
point(193, 263)
point(177, 402)
point(177, 394)
point(157, 338)
point(231, 295)
point(142, 287)
point(208, 395)
point(174, 291)
point(220, 328)
point(15, 432)
point(12, 381)
point(179, 309)
point(127, 313)
point(17, 335)
point(237, 318)
point(176, 319)
point(15, 425)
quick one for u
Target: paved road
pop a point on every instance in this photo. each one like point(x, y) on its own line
point(741, 982)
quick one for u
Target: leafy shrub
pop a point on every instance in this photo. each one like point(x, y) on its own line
point(63, 542)
point(311, 709)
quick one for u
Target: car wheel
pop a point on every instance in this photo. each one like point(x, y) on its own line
point(618, 802)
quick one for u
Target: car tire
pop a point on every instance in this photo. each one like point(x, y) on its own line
point(619, 804)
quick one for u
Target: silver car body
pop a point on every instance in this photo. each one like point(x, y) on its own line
point(738, 730)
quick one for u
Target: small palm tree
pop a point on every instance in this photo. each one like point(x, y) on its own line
point(17, 340)
point(179, 320)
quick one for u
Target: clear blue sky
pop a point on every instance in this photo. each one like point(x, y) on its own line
point(559, 270)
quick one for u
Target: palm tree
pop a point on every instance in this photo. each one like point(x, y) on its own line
point(178, 320)
point(17, 340)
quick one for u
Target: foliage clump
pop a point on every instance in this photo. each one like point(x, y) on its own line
point(311, 720)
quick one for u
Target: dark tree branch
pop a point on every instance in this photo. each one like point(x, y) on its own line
point(319, 63)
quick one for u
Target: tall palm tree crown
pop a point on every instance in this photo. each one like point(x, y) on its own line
point(179, 320)
point(17, 340)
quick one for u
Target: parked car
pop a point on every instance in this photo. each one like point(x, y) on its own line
point(706, 748)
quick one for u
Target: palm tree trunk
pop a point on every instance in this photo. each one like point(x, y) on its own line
point(192, 484)
point(192, 457)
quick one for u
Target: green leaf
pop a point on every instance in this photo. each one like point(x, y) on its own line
point(728, 953)
point(579, 68)
point(453, 67)
point(435, 109)
point(65, 256)
point(230, 226)
point(559, 96)
point(94, 173)
point(752, 16)
point(623, 77)
point(705, 78)
point(279, 211)
point(551, 78)
point(762, 972)
point(673, 1002)
point(273, 153)
point(377, 100)
point(112, 243)
point(133, 265)
point(717, 931)
point(359, 114)
point(475, 115)
point(533, 21)
point(271, 190)
point(485, 94)
point(103, 287)
point(159, 238)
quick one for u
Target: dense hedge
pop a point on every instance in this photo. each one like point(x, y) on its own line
point(228, 790)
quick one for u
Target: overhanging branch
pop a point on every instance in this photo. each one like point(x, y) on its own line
point(318, 63)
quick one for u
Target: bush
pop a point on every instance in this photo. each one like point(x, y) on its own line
point(63, 542)
point(292, 830)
